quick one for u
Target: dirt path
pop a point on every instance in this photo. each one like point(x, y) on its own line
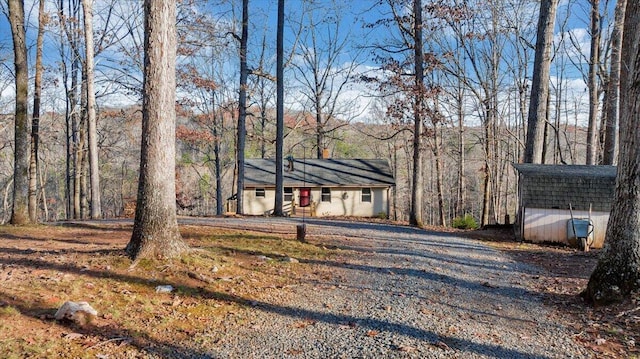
point(396, 292)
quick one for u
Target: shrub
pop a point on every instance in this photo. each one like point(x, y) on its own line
point(466, 222)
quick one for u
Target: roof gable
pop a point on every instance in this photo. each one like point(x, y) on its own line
point(320, 172)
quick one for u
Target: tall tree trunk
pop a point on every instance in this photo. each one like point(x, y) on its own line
point(617, 274)
point(546, 132)
point(394, 157)
point(75, 94)
point(415, 217)
point(20, 210)
point(461, 192)
point(594, 89)
point(486, 170)
point(280, 111)
point(155, 230)
point(43, 194)
point(612, 97)
point(540, 82)
point(83, 168)
point(69, 153)
point(242, 105)
point(216, 156)
point(94, 172)
point(35, 122)
point(319, 127)
point(437, 153)
point(75, 137)
point(67, 122)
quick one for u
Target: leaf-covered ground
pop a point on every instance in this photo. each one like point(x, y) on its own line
point(41, 267)
point(611, 331)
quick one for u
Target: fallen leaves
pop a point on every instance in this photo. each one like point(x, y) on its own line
point(304, 323)
point(442, 345)
point(73, 336)
point(406, 348)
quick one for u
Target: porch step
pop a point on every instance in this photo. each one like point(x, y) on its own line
point(302, 211)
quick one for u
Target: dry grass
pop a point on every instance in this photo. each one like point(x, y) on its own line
point(41, 267)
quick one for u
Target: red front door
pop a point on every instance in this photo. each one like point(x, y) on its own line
point(305, 197)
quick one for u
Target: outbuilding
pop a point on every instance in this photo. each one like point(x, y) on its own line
point(320, 187)
point(551, 195)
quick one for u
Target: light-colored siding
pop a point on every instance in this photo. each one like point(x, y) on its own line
point(345, 201)
point(348, 202)
point(550, 225)
point(258, 206)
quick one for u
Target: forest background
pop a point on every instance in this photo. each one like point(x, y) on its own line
point(344, 65)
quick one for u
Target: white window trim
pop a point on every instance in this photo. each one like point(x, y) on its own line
point(323, 194)
point(369, 195)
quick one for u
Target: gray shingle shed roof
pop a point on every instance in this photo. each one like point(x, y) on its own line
point(320, 172)
point(566, 171)
point(555, 186)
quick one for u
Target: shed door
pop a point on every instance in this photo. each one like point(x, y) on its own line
point(305, 197)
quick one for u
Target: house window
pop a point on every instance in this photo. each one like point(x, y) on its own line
point(326, 194)
point(260, 192)
point(288, 194)
point(366, 195)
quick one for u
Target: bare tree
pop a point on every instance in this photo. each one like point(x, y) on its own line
point(612, 95)
point(155, 230)
point(68, 20)
point(242, 105)
point(617, 274)
point(415, 216)
point(593, 84)
point(20, 209)
point(540, 83)
point(278, 210)
point(322, 77)
point(94, 171)
point(35, 122)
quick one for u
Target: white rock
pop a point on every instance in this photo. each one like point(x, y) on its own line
point(164, 289)
point(291, 260)
point(78, 312)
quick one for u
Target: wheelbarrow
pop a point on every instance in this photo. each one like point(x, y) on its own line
point(580, 230)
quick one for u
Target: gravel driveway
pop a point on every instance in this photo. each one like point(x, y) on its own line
point(398, 292)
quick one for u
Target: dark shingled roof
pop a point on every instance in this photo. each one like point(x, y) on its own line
point(557, 186)
point(320, 172)
point(530, 169)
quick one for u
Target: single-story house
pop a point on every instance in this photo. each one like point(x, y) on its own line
point(320, 187)
point(546, 192)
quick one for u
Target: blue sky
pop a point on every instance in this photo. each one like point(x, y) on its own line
point(354, 15)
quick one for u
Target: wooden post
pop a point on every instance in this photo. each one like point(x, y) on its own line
point(301, 231)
